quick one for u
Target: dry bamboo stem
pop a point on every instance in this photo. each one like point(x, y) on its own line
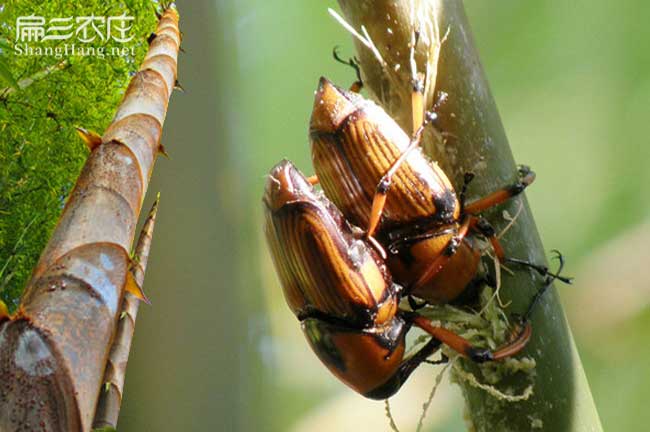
point(53, 351)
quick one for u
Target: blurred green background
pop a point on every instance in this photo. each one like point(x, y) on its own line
point(219, 349)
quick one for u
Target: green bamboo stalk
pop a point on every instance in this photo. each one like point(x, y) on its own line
point(475, 141)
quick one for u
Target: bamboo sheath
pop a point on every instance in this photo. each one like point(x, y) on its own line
point(110, 398)
point(54, 350)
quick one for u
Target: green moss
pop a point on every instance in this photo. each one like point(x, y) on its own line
point(40, 154)
point(488, 326)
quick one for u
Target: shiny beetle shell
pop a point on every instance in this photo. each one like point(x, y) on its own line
point(354, 143)
point(349, 172)
point(337, 286)
point(366, 360)
point(322, 267)
point(453, 278)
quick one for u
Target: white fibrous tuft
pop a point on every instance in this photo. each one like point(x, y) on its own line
point(358, 253)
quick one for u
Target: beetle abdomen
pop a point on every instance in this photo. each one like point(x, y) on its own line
point(363, 360)
point(447, 285)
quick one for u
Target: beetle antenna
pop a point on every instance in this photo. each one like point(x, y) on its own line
point(543, 270)
point(353, 62)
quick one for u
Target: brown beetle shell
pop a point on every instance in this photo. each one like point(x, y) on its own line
point(364, 360)
point(354, 143)
point(453, 278)
point(324, 270)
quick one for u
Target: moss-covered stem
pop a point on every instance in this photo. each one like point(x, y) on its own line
point(474, 140)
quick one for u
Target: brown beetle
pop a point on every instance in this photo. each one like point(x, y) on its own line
point(343, 294)
point(382, 182)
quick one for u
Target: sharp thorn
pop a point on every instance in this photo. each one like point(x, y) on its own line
point(134, 289)
point(90, 138)
point(4, 311)
point(163, 151)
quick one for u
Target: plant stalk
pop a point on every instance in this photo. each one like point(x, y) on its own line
point(54, 349)
point(473, 140)
point(110, 399)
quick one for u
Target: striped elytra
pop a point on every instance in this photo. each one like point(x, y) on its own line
point(323, 268)
point(338, 287)
point(354, 143)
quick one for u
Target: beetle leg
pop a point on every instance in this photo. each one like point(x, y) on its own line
point(466, 349)
point(354, 64)
point(504, 194)
point(414, 304)
point(409, 365)
point(417, 103)
point(418, 114)
point(379, 200)
point(484, 227)
point(437, 265)
point(548, 282)
point(417, 86)
point(467, 179)
point(515, 345)
point(420, 119)
point(541, 269)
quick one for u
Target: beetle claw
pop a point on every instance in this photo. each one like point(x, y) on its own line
point(480, 355)
point(414, 304)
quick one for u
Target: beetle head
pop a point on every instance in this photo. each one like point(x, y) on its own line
point(285, 185)
point(332, 105)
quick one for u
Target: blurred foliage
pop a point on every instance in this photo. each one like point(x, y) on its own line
point(40, 153)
